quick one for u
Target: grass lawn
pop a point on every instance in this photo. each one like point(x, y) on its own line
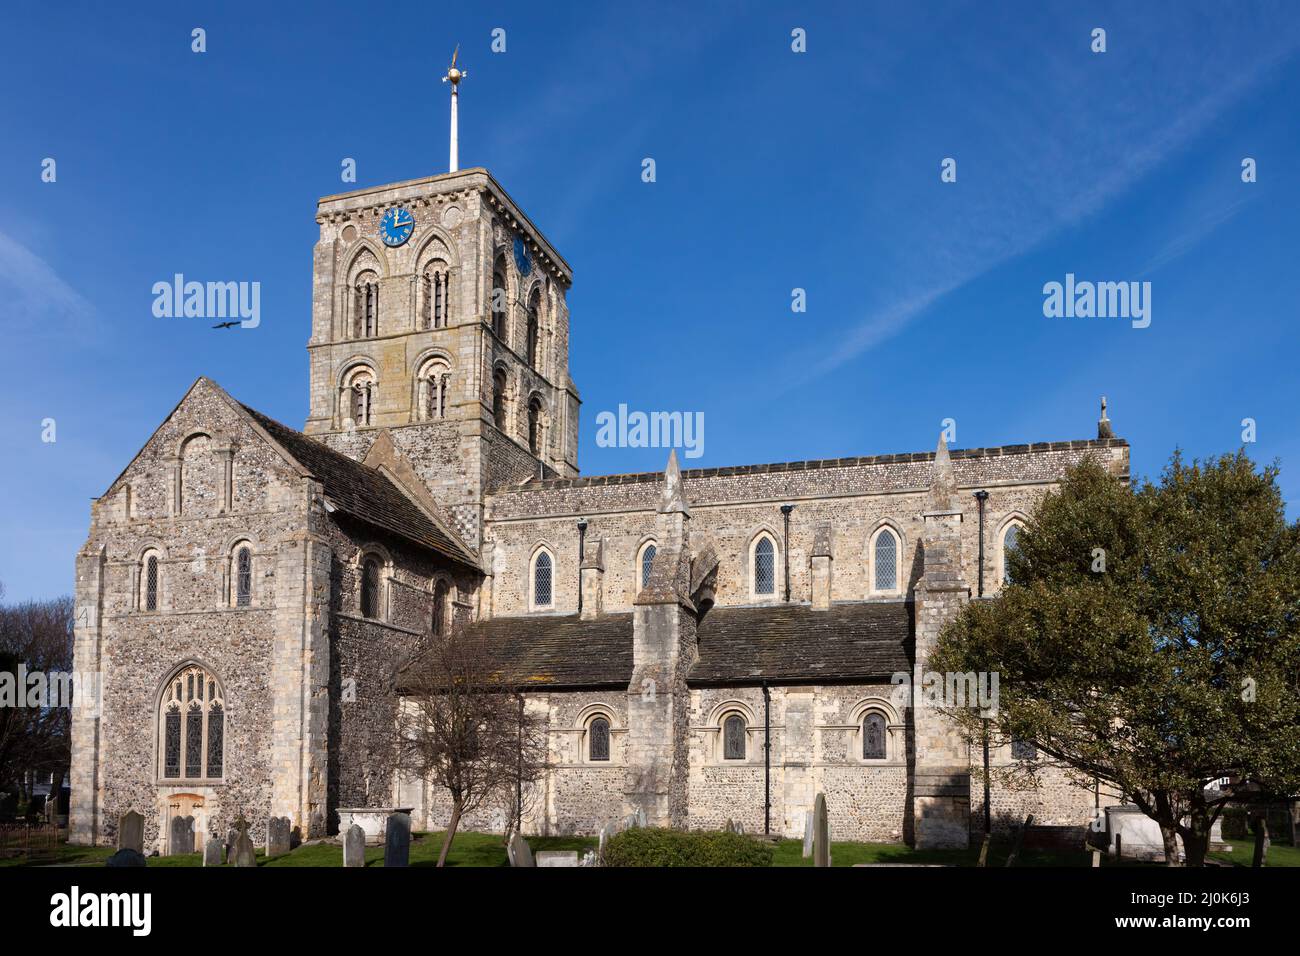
point(486, 849)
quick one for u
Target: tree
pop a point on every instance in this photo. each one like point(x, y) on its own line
point(1149, 638)
point(464, 728)
point(37, 637)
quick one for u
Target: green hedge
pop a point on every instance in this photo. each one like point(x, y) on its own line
point(658, 847)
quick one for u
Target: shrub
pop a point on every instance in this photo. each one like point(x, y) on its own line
point(659, 847)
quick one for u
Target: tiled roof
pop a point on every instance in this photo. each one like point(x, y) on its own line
point(363, 492)
point(815, 465)
point(794, 642)
point(738, 645)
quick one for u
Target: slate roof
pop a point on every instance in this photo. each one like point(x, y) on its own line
point(789, 643)
point(738, 646)
point(363, 492)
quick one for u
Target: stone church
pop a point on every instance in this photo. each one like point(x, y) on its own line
point(700, 645)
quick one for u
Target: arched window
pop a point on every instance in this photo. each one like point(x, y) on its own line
point(535, 425)
point(243, 576)
point(366, 305)
point(433, 382)
point(358, 396)
point(1010, 541)
point(441, 600)
point(151, 581)
point(873, 737)
point(598, 739)
point(371, 572)
point(191, 726)
point(534, 328)
point(499, 398)
point(647, 562)
point(434, 289)
point(884, 560)
point(1023, 749)
point(499, 299)
point(764, 566)
point(542, 574)
point(733, 738)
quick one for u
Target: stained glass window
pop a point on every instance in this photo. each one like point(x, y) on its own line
point(886, 561)
point(193, 735)
point(873, 737)
point(151, 583)
point(244, 577)
point(733, 738)
point(765, 567)
point(172, 743)
point(599, 734)
point(542, 580)
point(1009, 543)
point(216, 739)
point(370, 588)
point(647, 562)
point(194, 741)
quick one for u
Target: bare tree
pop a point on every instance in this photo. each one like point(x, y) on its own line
point(464, 727)
point(35, 637)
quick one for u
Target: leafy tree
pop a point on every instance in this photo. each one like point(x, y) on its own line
point(1148, 638)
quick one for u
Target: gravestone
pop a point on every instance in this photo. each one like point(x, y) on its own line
point(821, 833)
point(126, 857)
point(244, 855)
point(354, 846)
point(807, 834)
point(557, 858)
point(130, 832)
point(277, 837)
point(315, 825)
point(397, 840)
point(214, 852)
point(730, 826)
point(607, 831)
point(520, 853)
point(182, 833)
point(640, 817)
point(231, 836)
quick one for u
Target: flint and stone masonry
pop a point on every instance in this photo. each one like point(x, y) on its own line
point(247, 590)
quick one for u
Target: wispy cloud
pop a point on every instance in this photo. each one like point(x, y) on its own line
point(1077, 148)
point(39, 304)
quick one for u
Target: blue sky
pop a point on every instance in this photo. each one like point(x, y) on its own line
point(775, 171)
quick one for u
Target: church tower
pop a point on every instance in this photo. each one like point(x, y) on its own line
point(439, 313)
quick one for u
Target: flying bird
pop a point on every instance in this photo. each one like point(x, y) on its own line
point(225, 325)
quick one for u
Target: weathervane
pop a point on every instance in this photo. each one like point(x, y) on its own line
point(454, 76)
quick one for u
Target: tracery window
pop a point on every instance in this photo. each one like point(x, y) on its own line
point(191, 726)
point(765, 566)
point(1010, 541)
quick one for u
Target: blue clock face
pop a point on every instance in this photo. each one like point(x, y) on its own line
point(523, 262)
point(396, 227)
